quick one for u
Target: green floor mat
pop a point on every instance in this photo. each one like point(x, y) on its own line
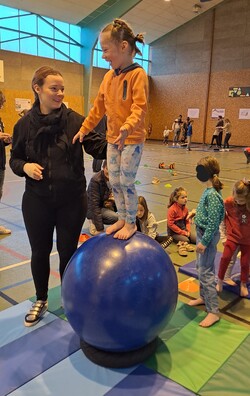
point(233, 378)
point(194, 354)
point(55, 303)
point(182, 316)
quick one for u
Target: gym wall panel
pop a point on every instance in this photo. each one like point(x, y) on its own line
point(194, 66)
point(18, 73)
point(169, 97)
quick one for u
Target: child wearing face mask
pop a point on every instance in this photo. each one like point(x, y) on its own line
point(237, 223)
point(209, 214)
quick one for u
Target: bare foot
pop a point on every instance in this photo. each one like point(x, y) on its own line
point(209, 320)
point(198, 301)
point(126, 231)
point(219, 286)
point(243, 289)
point(115, 227)
point(230, 282)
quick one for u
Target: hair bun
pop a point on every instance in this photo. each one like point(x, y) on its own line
point(139, 37)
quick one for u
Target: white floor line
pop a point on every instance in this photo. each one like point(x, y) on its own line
point(21, 263)
point(161, 221)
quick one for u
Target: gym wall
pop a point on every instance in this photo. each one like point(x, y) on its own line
point(194, 66)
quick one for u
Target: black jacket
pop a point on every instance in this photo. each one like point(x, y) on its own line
point(98, 193)
point(63, 173)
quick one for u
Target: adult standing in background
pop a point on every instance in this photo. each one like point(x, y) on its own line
point(176, 127)
point(219, 127)
point(5, 139)
point(228, 130)
point(55, 192)
point(185, 129)
point(189, 134)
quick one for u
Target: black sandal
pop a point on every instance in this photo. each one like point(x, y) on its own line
point(35, 313)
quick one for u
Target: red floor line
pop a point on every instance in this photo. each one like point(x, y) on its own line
point(55, 274)
point(13, 253)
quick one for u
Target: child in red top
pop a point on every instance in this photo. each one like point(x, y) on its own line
point(237, 222)
point(179, 226)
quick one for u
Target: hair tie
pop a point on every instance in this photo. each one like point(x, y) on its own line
point(215, 175)
point(117, 24)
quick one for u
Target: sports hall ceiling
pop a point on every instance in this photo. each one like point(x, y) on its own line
point(153, 17)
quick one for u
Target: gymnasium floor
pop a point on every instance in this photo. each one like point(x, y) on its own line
point(189, 361)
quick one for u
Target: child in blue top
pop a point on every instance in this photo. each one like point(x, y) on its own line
point(209, 214)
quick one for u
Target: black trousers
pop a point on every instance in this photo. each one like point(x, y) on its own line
point(226, 140)
point(219, 140)
point(42, 216)
point(214, 138)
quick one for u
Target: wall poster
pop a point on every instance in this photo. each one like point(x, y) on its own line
point(218, 112)
point(244, 114)
point(193, 113)
point(237, 92)
point(22, 104)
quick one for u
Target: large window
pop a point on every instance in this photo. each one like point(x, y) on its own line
point(23, 31)
point(29, 33)
point(142, 60)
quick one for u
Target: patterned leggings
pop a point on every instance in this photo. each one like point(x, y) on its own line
point(122, 167)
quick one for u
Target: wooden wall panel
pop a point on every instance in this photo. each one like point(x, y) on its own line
point(172, 95)
point(18, 73)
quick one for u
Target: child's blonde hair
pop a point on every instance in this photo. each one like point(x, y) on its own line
point(242, 188)
point(175, 195)
point(121, 31)
point(212, 167)
point(142, 201)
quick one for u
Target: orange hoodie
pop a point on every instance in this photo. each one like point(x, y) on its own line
point(123, 98)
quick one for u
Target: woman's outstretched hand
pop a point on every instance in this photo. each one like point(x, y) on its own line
point(80, 136)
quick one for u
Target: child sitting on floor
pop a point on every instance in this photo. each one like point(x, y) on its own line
point(146, 223)
point(237, 221)
point(179, 226)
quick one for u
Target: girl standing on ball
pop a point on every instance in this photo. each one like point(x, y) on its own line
point(123, 97)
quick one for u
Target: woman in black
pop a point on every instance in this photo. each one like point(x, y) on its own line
point(55, 193)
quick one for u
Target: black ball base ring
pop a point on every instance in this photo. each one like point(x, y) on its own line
point(118, 359)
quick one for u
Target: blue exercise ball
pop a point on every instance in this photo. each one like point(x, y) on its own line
point(119, 294)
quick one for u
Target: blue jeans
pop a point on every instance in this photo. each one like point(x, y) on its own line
point(109, 216)
point(206, 272)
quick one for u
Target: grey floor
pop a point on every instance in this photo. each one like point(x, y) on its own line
point(15, 277)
